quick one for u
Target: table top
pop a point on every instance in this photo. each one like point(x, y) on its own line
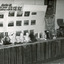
point(30, 43)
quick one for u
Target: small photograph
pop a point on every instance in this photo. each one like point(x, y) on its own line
point(18, 23)
point(25, 31)
point(31, 31)
point(18, 33)
point(27, 13)
point(11, 13)
point(33, 22)
point(26, 22)
point(1, 16)
point(19, 13)
point(10, 24)
point(1, 24)
point(34, 13)
point(1, 35)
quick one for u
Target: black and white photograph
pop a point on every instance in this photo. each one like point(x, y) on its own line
point(27, 13)
point(18, 23)
point(11, 14)
point(19, 13)
point(33, 22)
point(34, 13)
point(1, 16)
point(31, 31)
point(1, 24)
point(10, 24)
point(26, 22)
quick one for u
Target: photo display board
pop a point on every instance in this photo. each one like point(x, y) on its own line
point(20, 18)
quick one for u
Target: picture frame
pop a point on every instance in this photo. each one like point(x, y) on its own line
point(33, 22)
point(18, 33)
point(10, 24)
point(1, 16)
point(18, 23)
point(34, 13)
point(27, 13)
point(31, 31)
point(1, 24)
point(19, 13)
point(11, 13)
point(1, 34)
point(26, 22)
point(25, 31)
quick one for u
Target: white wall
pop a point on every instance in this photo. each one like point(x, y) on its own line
point(33, 2)
point(34, 8)
point(39, 27)
point(59, 11)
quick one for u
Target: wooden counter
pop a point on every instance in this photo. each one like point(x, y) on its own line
point(32, 53)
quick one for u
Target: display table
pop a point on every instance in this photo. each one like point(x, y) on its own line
point(32, 53)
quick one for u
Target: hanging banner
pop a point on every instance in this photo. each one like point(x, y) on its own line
point(9, 7)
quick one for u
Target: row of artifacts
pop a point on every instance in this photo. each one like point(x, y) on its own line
point(12, 39)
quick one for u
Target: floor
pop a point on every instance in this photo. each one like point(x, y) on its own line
point(59, 61)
